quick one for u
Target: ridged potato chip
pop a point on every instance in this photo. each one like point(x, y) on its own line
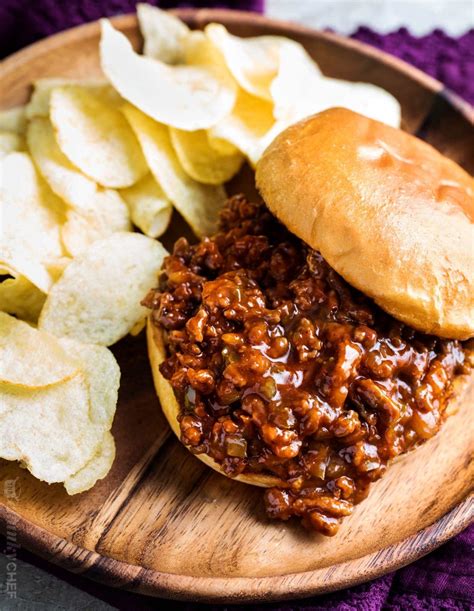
point(16, 260)
point(364, 98)
point(32, 215)
point(29, 358)
point(150, 209)
point(38, 106)
point(200, 52)
point(97, 468)
point(297, 73)
point(186, 97)
point(46, 429)
point(94, 135)
point(300, 90)
point(56, 430)
point(247, 127)
point(21, 297)
point(199, 204)
point(67, 181)
point(98, 212)
point(10, 142)
point(102, 373)
point(84, 227)
point(163, 34)
point(57, 266)
point(224, 147)
point(201, 160)
point(253, 61)
point(13, 119)
point(97, 299)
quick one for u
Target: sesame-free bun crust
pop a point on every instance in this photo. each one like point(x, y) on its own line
point(386, 210)
point(170, 407)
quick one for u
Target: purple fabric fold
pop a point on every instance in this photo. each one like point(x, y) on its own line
point(25, 21)
point(445, 578)
point(448, 59)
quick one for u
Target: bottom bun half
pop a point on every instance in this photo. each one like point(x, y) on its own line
point(170, 407)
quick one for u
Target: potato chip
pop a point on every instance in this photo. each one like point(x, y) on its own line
point(200, 52)
point(164, 34)
point(97, 212)
point(95, 136)
point(97, 468)
point(297, 72)
point(202, 161)
point(30, 358)
point(301, 90)
point(16, 260)
point(138, 327)
point(97, 299)
point(224, 147)
point(186, 97)
point(65, 180)
point(13, 119)
point(247, 126)
point(84, 227)
point(38, 106)
point(31, 213)
point(150, 209)
point(364, 98)
point(10, 142)
point(102, 373)
point(56, 267)
point(56, 430)
point(253, 61)
point(21, 297)
point(199, 204)
point(100, 212)
point(47, 429)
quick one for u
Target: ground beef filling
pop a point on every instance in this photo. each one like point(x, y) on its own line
point(281, 368)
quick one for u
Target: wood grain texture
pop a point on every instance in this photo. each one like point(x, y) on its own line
point(162, 523)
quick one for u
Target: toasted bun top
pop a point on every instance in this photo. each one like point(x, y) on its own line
point(387, 211)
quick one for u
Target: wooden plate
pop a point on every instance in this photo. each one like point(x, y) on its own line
point(162, 523)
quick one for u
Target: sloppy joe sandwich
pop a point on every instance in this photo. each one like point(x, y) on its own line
point(320, 334)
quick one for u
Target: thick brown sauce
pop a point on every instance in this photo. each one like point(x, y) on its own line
point(280, 367)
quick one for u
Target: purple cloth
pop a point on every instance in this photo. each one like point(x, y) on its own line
point(25, 21)
point(445, 578)
point(448, 59)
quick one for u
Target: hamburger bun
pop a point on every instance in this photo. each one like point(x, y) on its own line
point(386, 210)
point(171, 409)
point(369, 198)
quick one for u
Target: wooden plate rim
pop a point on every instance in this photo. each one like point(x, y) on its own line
point(241, 589)
point(237, 589)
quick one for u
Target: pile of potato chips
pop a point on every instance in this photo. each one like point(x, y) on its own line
point(57, 403)
point(82, 165)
